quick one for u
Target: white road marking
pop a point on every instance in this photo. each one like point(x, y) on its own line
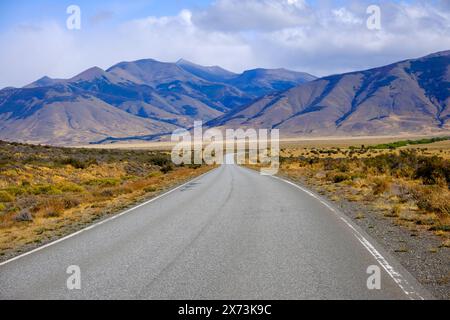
point(103, 221)
point(396, 276)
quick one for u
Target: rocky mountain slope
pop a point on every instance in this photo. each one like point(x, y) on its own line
point(409, 97)
point(144, 97)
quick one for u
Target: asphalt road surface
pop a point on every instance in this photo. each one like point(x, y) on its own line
point(230, 234)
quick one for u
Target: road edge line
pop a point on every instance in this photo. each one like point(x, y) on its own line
point(390, 270)
point(109, 219)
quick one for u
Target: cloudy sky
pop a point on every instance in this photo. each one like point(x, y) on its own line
point(318, 36)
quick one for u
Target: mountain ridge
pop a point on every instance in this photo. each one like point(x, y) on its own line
point(403, 97)
point(162, 93)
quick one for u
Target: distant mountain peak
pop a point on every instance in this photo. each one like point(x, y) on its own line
point(406, 97)
point(184, 61)
point(89, 74)
point(138, 98)
point(210, 73)
point(45, 81)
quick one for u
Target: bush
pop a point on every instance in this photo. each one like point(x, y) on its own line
point(108, 193)
point(78, 163)
point(23, 216)
point(154, 174)
point(338, 178)
point(160, 160)
point(432, 199)
point(433, 169)
point(104, 182)
point(45, 189)
point(52, 213)
point(167, 168)
point(70, 203)
point(70, 187)
point(2, 207)
point(150, 189)
point(6, 197)
point(380, 186)
point(16, 191)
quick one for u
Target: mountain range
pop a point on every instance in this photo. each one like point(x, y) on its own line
point(140, 98)
point(408, 97)
point(145, 99)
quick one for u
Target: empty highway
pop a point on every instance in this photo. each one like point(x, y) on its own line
point(230, 234)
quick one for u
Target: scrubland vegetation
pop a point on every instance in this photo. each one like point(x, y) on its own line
point(46, 192)
point(409, 186)
point(405, 143)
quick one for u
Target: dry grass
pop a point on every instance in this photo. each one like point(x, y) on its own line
point(408, 185)
point(48, 192)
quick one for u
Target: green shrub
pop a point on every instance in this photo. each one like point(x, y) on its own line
point(154, 174)
point(104, 182)
point(16, 191)
point(6, 197)
point(150, 189)
point(45, 189)
point(70, 187)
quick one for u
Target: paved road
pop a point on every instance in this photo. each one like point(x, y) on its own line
point(231, 234)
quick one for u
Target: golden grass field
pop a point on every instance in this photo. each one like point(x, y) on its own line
point(409, 184)
point(47, 192)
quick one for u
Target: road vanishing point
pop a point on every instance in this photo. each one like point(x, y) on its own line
point(229, 234)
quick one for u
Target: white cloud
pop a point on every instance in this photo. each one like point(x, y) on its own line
point(345, 16)
point(319, 37)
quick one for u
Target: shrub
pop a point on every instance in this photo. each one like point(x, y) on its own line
point(380, 186)
point(70, 187)
point(70, 202)
point(16, 191)
point(432, 199)
point(49, 213)
point(104, 182)
point(2, 207)
point(154, 174)
point(6, 197)
point(150, 189)
point(167, 168)
point(45, 189)
point(78, 163)
point(160, 160)
point(338, 178)
point(123, 190)
point(108, 193)
point(396, 210)
point(433, 169)
point(23, 216)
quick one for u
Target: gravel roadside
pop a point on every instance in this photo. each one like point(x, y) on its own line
point(419, 252)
